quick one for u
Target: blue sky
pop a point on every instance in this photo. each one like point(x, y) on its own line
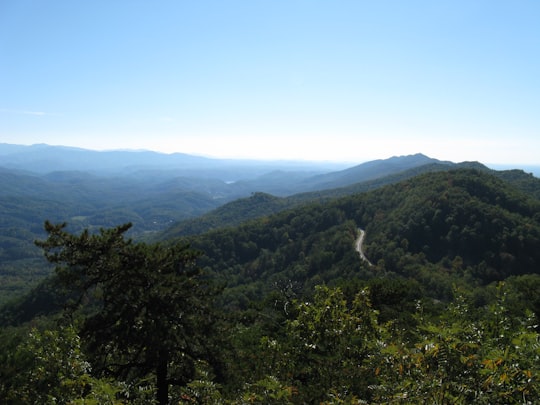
point(313, 80)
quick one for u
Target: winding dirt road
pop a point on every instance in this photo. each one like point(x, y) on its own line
point(358, 246)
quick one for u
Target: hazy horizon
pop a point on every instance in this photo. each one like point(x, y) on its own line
point(348, 81)
point(535, 169)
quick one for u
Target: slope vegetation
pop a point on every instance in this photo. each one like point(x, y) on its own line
point(261, 204)
point(437, 228)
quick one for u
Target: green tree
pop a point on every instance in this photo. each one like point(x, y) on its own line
point(146, 308)
point(49, 367)
point(326, 349)
point(462, 358)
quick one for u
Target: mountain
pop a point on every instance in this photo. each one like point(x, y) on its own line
point(285, 183)
point(274, 177)
point(261, 204)
point(231, 214)
point(42, 158)
point(439, 228)
point(86, 200)
point(169, 198)
point(89, 189)
point(151, 198)
point(370, 171)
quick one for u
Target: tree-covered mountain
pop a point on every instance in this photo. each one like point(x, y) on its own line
point(261, 204)
point(374, 169)
point(286, 183)
point(324, 325)
point(461, 223)
point(89, 189)
point(438, 218)
point(85, 200)
point(268, 300)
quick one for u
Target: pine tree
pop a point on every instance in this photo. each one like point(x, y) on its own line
point(145, 308)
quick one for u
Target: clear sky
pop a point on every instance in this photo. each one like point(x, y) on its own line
point(279, 79)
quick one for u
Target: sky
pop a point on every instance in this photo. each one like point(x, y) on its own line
point(332, 80)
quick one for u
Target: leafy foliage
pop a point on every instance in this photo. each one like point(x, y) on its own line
point(327, 346)
point(49, 367)
point(461, 358)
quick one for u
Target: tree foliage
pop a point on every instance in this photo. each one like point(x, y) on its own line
point(48, 366)
point(147, 309)
point(463, 358)
point(327, 346)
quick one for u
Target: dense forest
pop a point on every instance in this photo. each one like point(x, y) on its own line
point(93, 190)
point(281, 308)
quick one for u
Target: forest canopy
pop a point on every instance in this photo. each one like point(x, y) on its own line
point(282, 309)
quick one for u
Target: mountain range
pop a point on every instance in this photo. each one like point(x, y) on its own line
point(43, 158)
point(371, 283)
point(171, 196)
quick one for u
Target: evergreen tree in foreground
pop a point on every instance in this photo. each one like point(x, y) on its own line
point(144, 309)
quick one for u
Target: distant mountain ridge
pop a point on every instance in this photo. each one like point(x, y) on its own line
point(285, 183)
point(238, 177)
point(43, 158)
point(373, 169)
point(261, 204)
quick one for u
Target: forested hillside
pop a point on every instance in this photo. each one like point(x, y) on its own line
point(259, 204)
point(263, 204)
point(432, 228)
point(85, 201)
point(282, 309)
point(153, 191)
